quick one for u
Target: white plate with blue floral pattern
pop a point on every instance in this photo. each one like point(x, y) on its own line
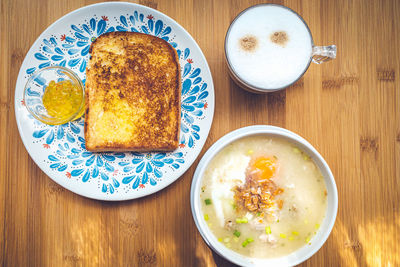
point(60, 150)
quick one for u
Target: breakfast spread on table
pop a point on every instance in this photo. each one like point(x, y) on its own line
point(260, 196)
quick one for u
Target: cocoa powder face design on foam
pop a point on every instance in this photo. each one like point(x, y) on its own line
point(268, 47)
point(279, 38)
point(248, 43)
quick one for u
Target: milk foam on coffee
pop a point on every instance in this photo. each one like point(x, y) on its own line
point(268, 46)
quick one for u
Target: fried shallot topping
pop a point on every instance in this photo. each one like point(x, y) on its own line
point(259, 191)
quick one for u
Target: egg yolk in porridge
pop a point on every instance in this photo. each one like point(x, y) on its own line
point(266, 168)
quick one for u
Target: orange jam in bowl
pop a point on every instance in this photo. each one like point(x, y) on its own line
point(62, 99)
point(55, 95)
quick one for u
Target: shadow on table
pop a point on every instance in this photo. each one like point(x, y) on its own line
point(221, 262)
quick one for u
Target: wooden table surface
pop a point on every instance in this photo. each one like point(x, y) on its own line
point(349, 109)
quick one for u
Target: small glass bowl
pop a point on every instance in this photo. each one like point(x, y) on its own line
point(36, 86)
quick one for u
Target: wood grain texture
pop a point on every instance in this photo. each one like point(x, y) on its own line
point(349, 109)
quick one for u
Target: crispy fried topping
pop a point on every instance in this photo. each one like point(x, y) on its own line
point(259, 192)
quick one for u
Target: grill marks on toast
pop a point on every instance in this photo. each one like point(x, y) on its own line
point(132, 93)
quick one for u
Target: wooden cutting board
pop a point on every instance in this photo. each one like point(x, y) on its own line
point(349, 109)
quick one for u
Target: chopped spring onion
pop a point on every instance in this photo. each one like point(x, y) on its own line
point(317, 226)
point(268, 230)
point(206, 217)
point(296, 150)
point(247, 241)
point(250, 152)
point(241, 220)
point(291, 238)
point(220, 239)
point(236, 233)
point(308, 239)
point(295, 233)
point(207, 201)
point(282, 235)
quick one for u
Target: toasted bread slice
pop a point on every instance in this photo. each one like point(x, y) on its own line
point(133, 90)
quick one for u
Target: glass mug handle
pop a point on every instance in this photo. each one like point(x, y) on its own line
point(321, 54)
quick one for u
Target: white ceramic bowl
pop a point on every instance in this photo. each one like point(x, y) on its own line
point(297, 256)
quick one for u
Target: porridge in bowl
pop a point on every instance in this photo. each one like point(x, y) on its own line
point(263, 197)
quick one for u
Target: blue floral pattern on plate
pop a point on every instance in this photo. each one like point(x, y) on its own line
point(65, 145)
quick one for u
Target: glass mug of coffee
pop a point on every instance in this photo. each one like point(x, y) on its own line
point(268, 47)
